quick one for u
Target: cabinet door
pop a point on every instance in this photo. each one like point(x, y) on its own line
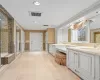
point(97, 67)
point(52, 49)
point(86, 65)
point(72, 60)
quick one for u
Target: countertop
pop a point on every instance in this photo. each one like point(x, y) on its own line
point(60, 44)
point(62, 47)
point(68, 45)
point(85, 49)
point(89, 50)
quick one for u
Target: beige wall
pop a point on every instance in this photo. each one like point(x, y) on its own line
point(51, 35)
point(92, 34)
point(27, 40)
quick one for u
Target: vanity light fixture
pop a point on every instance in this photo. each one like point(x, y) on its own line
point(36, 3)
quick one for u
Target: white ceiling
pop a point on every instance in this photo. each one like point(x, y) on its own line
point(54, 12)
point(95, 17)
point(96, 22)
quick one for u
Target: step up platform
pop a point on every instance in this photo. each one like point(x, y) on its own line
point(7, 59)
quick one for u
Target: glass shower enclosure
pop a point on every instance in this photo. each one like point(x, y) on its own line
point(3, 37)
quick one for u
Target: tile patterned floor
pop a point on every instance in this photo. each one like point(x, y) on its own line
point(37, 66)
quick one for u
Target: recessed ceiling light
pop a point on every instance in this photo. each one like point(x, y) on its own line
point(45, 25)
point(36, 3)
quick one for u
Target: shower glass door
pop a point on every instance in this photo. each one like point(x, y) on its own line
point(3, 36)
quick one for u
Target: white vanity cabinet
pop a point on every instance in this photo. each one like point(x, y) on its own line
point(52, 49)
point(86, 65)
point(81, 63)
point(72, 60)
point(97, 67)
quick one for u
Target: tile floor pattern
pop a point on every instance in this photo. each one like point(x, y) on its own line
point(37, 66)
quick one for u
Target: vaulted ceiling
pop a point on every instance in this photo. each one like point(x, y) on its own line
point(54, 12)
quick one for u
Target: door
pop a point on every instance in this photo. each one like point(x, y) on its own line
point(72, 60)
point(86, 65)
point(97, 37)
point(36, 41)
point(52, 49)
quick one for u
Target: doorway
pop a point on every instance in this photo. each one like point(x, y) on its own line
point(36, 41)
point(97, 37)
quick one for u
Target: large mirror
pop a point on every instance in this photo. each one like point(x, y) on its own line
point(82, 33)
point(79, 32)
point(87, 31)
point(95, 29)
point(83, 30)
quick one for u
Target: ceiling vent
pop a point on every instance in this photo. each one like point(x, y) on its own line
point(45, 25)
point(37, 14)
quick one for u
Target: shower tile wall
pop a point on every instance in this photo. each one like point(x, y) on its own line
point(4, 34)
point(11, 36)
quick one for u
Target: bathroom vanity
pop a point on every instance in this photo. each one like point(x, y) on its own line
point(84, 61)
